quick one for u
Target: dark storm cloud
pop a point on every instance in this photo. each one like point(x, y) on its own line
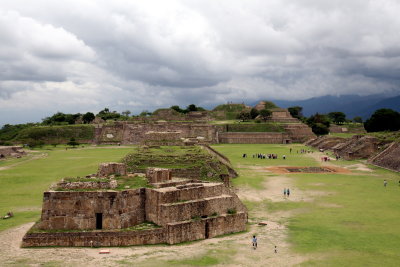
point(147, 54)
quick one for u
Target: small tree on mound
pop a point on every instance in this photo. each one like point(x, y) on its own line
point(72, 142)
point(265, 114)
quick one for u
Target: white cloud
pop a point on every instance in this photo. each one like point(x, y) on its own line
point(86, 55)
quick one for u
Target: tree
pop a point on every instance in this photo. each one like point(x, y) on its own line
point(254, 113)
point(88, 117)
point(320, 129)
point(60, 118)
point(383, 120)
point(105, 114)
point(318, 118)
point(265, 114)
point(145, 113)
point(358, 119)
point(177, 109)
point(337, 117)
point(126, 113)
point(319, 123)
point(296, 112)
point(243, 116)
point(72, 142)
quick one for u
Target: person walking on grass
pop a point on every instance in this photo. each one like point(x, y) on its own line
point(254, 242)
point(288, 192)
point(384, 183)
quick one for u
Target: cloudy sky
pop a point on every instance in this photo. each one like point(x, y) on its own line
point(77, 56)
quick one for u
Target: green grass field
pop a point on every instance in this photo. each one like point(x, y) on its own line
point(22, 186)
point(354, 223)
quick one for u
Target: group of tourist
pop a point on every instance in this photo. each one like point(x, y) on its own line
point(264, 156)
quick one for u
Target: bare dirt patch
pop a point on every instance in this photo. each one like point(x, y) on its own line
point(320, 170)
point(359, 167)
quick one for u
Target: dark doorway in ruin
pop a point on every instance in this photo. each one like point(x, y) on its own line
point(99, 220)
point(207, 231)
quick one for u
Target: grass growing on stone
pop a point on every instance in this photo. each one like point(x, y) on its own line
point(176, 157)
point(353, 220)
point(22, 186)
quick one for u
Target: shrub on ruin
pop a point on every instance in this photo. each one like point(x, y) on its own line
point(231, 211)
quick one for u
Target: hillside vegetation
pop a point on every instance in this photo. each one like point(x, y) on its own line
point(227, 111)
point(60, 134)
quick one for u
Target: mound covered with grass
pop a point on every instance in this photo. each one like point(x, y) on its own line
point(186, 162)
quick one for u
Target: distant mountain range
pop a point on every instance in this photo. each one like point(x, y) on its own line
point(351, 105)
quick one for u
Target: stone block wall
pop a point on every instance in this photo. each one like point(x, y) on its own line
point(226, 224)
point(139, 132)
point(174, 212)
point(299, 132)
point(87, 185)
point(77, 210)
point(88, 239)
point(173, 233)
point(106, 169)
point(158, 175)
point(252, 138)
point(389, 158)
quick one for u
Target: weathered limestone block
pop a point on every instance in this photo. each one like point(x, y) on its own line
point(77, 210)
point(106, 169)
point(88, 185)
point(158, 175)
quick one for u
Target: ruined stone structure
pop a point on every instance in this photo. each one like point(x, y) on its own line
point(253, 138)
point(181, 209)
point(158, 175)
point(388, 158)
point(11, 151)
point(105, 169)
point(357, 147)
point(345, 129)
point(172, 115)
point(185, 133)
point(154, 133)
